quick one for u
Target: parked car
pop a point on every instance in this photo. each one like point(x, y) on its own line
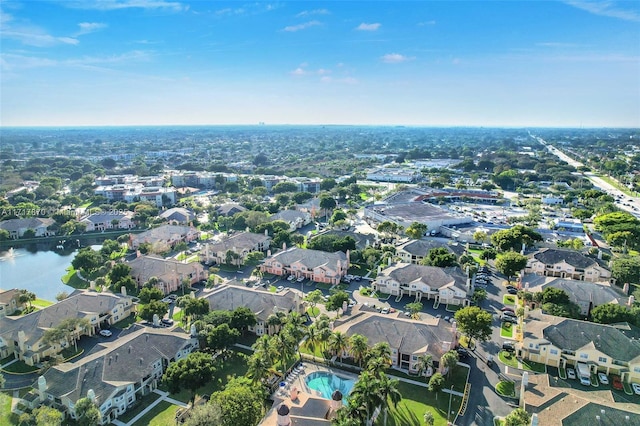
point(291, 278)
point(636, 388)
point(509, 313)
point(512, 291)
point(508, 346)
point(462, 352)
point(585, 381)
point(280, 288)
point(167, 321)
point(300, 279)
point(603, 378)
point(508, 318)
point(510, 287)
point(490, 360)
point(384, 311)
point(616, 383)
point(507, 309)
point(571, 373)
point(106, 333)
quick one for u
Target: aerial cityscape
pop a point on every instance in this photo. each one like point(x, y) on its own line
point(319, 213)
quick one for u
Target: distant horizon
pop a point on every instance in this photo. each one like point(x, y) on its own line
point(262, 125)
point(450, 63)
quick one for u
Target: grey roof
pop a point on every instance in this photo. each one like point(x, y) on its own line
point(125, 361)
point(75, 306)
point(144, 267)
point(586, 291)
point(434, 277)
point(164, 233)
point(414, 212)
point(243, 240)
point(404, 335)
point(288, 215)
point(230, 209)
point(573, 335)
point(422, 247)
point(106, 217)
point(7, 295)
point(609, 416)
point(550, 256)
point(178, 213)
point(261, 302)
point(14, 225)
point(310, 258)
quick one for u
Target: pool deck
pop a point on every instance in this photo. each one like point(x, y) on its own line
point(307, 404)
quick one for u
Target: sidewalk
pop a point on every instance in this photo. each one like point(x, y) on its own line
point(164, 396)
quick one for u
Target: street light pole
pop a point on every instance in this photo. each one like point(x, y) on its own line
point(449, 410)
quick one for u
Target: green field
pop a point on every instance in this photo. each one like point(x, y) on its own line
point(416, 400)
point(506, 330)
point(161, 415)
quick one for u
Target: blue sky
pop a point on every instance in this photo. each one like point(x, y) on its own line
point(476, 63)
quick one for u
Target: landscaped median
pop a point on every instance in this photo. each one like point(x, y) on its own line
point(509, 359)
point(506, 388)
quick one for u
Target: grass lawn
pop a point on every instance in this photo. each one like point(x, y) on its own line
point(342, 286)
point(20, 367)
point(272, 288)
point(71, 279)
point(534, 366)
point(7, 359)
point(41, 303)
point(510, 360)
point(505, 388)
point(506, 330)
point(357, 269)
point(453, 308)
point(317, 350)
point(161, 415)
point(248, 339)
point(509, 299)
point(5, 409)
point(415, 401)
point(324, 286)
point(70, 352)
point(140, 405)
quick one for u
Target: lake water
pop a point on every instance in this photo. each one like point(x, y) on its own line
point(39, 272)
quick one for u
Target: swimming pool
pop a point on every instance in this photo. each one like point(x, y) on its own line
point(326, 383)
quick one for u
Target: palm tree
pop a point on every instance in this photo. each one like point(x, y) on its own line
point(359, 348)
point(264, 347)
point(274, 322)
point(285, 345)
point(338, 343)
point(259, 367)
point(379, 357)
point(366, 394)
point(425, 363)
point(313, 337)
point(449, 360)
point(389, 393)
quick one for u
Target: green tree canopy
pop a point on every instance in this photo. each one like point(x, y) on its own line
point(513, 238)
point(610, 313)
point(518, 417)
point(440, 257)
point(510, 263)
point(87, 412)
point(241, 403)
point(626, 269)
point(474, 322)
point(147, 311)
point(147, 294)
point(190, 373)
point(416, 230)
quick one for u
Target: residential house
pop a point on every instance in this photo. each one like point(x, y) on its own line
point(444, 285)
point(314, 265)
point(108, 220)
point(165, 237)
point(261, 302)
point(178, 216)
point(170, 273)
point(295, 218)
point(230, 209)
point(241, 244)
point(17, 227)
point(562, 342)
point(408, 339)
point(9, 301)
point(566, 264)
point(585, 294)
point(22, 336)
point(115, 374)
point(414, 251)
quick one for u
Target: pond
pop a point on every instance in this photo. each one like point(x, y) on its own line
point(39, 271)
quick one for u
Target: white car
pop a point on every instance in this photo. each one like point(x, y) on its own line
point(300, 279)
point(603, 378)
point(636, 388)
point(280, 288)
point(585, 381)
point(291, 278)
point(106, 333)
point(384, 311)
point(571, 373)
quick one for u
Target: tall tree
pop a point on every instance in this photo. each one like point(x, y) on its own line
point(87, 412)
point(190, 373)
point(449, 361)
point(436, 383)
point(241, 403)
point(518, 417)
point(338, 343)
point(416, 230)
point(337, 300)
point(414, 308)
point(474, 322)
point(157, 307)
point(425, 364)
point(313, 298)
point(510, 263)
point(204, 415)
point(359, 348)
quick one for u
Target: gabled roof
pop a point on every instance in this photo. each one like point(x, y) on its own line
point(164, 233)
point(125, 361)
point(7, 295)
point(14, 225)
point(178, 213)
point(144, 267)
point(573, 334)
point(261, 302)
point(288, 215)
point(422, 247)
point(434, 277)
point(75, 306)
point(586, 291)
point(310, 258)
point(105, 217)
point(405, 335)
point(550, 256)
point(243, 240)
point(230, 209)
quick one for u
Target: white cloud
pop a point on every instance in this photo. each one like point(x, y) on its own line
point(305, 13)
point(343, 80)
point(368, 27)
point(15, 61)
point(298, 72)
point(90, 27)
point(126, 4)
point(395, 58)
point(425, 23)
point(606, 8)
point(33, 36)
point(304, 26)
